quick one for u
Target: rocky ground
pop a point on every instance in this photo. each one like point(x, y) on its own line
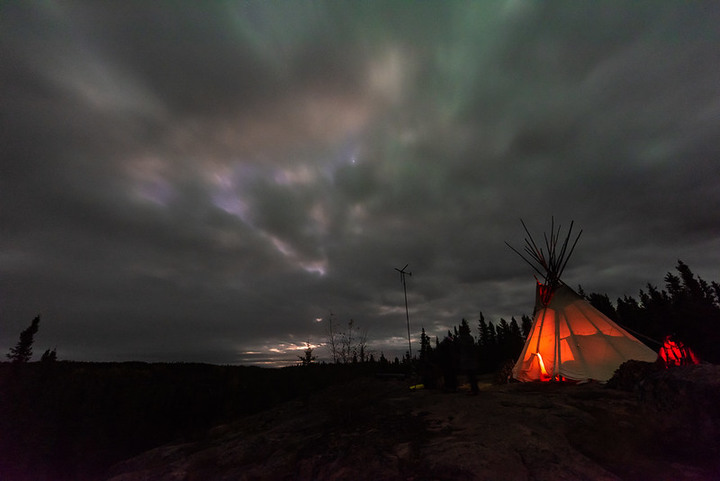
point(379, 429)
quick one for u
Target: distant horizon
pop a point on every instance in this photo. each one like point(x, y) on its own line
point(321, 349)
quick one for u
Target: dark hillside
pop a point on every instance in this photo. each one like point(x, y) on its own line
point(73, 421)
point(374, 429)
point(70, 421)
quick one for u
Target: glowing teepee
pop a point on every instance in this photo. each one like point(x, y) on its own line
point(569, 338)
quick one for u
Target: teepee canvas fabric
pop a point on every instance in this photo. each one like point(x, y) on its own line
point(571, 340)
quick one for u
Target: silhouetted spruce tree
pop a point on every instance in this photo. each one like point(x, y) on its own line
point(526, 326)
point(483, 345)
point(632, 315)
point(425, 348)
point(483, 338)
point(516, 339)
point(515, 328)
point(696, 312)
point(509, 340)
point(308, 358)
point(696, 290)
point(492, 335)
point(716, 291)
point(674, 286)
point(602, 303)
point(426, 361)
point(464, 328)
point(383, 359)
point(488, 346)
point(22, 352)
point(503, 335)
point(657, 316)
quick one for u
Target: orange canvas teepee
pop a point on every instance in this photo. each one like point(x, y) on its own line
point(569, 338)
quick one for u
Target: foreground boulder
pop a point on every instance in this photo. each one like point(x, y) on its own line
point(687, 399)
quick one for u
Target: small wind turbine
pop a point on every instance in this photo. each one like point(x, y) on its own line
point(407, 315)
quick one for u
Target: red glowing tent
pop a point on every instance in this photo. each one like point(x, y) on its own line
point(674, 353)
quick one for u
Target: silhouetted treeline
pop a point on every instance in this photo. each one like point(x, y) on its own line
point(494, 344)
point(688, 307)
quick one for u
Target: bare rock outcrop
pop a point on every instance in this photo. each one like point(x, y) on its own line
point(380, 430)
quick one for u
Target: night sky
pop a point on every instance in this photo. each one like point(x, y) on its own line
point(204, 181)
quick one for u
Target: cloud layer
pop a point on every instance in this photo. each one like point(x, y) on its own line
point(202, 182)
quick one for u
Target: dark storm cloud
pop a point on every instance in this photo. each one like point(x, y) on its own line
point(203, 182)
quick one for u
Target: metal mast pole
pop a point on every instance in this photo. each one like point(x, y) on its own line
point(407, 314)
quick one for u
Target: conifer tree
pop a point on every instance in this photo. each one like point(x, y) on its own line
point(526, 325)
point(716, 292)
point(492, 336)
point(489, 349)
point(602, 303)
point(516, 339)
point(383, 359)
point(307, 359)
point(22, 352)
point(483, 332)
point(503, 333)
point(425, 347)
point(464, 328)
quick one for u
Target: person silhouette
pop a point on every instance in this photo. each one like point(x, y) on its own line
point(447, 360)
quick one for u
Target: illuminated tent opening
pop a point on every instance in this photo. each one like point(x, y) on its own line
point(569, 338)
